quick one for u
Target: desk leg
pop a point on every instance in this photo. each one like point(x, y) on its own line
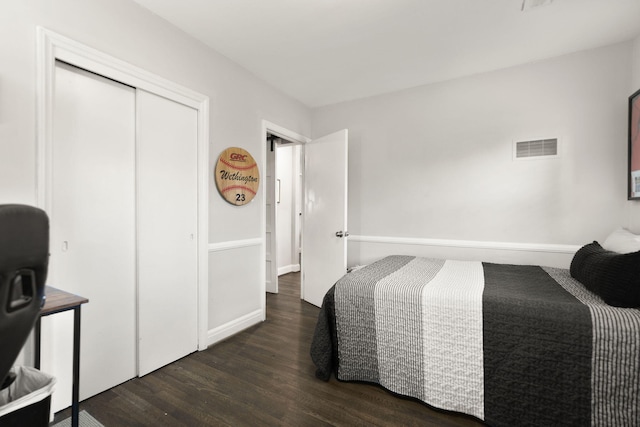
point(36, 342)
point(75, 405)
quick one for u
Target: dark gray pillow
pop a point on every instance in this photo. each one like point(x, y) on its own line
point(614, 277)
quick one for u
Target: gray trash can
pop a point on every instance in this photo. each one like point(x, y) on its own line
point(27, 401)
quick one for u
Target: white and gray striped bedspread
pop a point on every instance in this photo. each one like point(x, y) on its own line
point(510, 345)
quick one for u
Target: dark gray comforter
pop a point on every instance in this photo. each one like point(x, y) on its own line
point(510, 345)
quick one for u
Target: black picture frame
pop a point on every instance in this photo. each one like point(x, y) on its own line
point(633, 171)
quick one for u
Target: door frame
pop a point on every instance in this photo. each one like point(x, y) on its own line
point(296, 138)
point(50, 47)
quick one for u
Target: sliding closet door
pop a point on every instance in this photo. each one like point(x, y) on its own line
point(92, 216)
point(167, 230)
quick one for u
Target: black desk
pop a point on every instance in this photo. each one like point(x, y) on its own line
point(58, 301)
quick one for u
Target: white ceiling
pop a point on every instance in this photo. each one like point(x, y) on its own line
point(326, 51)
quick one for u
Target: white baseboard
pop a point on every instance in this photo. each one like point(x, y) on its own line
point(288, 269)
point(237, 325)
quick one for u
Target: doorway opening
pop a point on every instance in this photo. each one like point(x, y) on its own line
point(323, 200)
point(283, 208)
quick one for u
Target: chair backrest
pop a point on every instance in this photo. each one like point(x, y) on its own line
point(24, 258)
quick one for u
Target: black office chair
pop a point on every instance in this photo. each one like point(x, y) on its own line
point(24, 258)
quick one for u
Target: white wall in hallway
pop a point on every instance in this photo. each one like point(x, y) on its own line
point(285, 209)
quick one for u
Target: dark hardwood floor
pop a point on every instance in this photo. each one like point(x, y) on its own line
point(260, 377)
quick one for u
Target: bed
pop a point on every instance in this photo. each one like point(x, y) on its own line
point(511, 345)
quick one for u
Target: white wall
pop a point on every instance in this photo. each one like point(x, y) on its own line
point(239, 103)
point(435, 162)
point(633, 206)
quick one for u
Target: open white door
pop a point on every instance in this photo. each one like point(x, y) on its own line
point(324, 229)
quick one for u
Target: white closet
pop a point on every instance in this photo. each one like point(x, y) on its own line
point(123, 183)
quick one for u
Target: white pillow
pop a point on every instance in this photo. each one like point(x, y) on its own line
point(622, 241)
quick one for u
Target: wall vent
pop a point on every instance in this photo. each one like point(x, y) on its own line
point(536, 148)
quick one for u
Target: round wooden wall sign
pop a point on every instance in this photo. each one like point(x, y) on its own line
point(237, 176)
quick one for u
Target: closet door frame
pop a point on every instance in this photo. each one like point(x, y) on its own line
point(51, 47)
